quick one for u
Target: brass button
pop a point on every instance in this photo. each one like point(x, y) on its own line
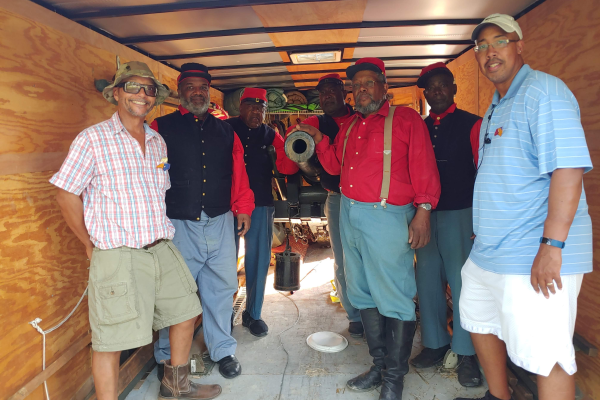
point(203, 141)
point(203, 154)
point(351, 167)
point(204, 166)
point(357, 152)
point(434, 145)
point(438, 118)
point(198, 219)
point(202, 207)
point(434, 135)
point(359, 137)
point(350, 185)
point(205, 180)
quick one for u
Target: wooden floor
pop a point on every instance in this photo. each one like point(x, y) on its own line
point(309, 375)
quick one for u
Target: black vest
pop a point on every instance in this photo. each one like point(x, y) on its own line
point(451, 141)
point(258, 162)
point(201, 158)
point(329, 127)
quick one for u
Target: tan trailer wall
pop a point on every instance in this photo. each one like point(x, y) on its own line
point(47, 96)
point(561, 38)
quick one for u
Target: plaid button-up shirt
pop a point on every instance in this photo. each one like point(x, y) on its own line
point(123, 190)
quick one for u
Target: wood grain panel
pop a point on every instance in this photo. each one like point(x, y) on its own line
point(315, 37)
point(348, 53)
point(318, 67)
point(44, 272)
point(315, 76)
point(466, 78)
point(486, 93)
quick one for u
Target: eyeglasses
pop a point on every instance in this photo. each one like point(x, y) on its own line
point(367, 84)
point(500, 44)
point(135, 87)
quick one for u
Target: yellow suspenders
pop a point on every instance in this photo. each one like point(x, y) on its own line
point(387, 153)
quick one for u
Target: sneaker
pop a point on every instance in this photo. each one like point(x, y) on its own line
point(429, 357)
point(356, 329)
point(257, 327)
point(468, 372)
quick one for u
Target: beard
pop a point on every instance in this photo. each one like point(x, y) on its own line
point(371, 107)
point(197, 110)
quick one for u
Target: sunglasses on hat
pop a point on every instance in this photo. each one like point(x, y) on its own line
point(135, 87)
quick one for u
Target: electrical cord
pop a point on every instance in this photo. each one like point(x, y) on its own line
point(287, 355)
point(35, 325)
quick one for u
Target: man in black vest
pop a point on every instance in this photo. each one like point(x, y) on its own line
point(455, 137)
point(209, 186)
point(336, 113)
point(256, 137)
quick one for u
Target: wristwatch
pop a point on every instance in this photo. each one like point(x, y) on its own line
point(425, 206)
point(552, 242)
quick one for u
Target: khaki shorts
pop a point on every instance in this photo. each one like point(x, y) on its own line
point(132, 291)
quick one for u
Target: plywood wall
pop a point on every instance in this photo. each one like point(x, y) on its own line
point(47, 96)
point(561, 38)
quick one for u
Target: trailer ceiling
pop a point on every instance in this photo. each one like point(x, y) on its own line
point(248, 42)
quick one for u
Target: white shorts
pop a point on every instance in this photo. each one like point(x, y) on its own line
point(538, 332)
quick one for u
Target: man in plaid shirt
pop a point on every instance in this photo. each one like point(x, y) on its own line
point(138, 279)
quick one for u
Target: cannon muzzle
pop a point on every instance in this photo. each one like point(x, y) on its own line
point(300, 148)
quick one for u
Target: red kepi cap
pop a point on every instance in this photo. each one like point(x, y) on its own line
point(431, 70)
point(366, 64)
point(254, 95)
point(330, 78)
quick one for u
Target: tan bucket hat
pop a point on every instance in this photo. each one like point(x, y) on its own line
point(135, 68)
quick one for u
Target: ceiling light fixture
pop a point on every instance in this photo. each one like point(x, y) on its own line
point(316, 58)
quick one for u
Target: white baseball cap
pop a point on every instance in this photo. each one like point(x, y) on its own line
point(505, 22)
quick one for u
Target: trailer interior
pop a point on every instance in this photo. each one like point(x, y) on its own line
point(55, 53)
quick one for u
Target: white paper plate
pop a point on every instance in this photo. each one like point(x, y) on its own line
point(327, 342)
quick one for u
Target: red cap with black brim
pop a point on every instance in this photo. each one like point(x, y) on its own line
point(431, 70)
point(254, 95)
point(366, 64)
point(336, 79)
point(189, 70)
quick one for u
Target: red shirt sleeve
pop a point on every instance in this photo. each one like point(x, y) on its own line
point(284, 164)
point(475, 141)
point(422, 167)
point(242, 197)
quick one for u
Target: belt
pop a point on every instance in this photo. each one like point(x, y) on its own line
point(148, 246)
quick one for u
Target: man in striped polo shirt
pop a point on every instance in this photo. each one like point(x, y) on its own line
point(530, 217)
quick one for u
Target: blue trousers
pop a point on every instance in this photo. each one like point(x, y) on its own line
point(332, 212)
point(208, 248)
point(438, 263)
point(378, 258)
point(257, 241)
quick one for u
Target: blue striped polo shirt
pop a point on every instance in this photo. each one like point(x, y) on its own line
point(534, 130)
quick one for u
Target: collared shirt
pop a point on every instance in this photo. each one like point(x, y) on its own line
point(414, 174)
point(123, 190)
point(438, 117)
point(242, 198)
point(474, 138)
point(534, 129)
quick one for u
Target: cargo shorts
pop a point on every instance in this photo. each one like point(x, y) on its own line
point(132, 291)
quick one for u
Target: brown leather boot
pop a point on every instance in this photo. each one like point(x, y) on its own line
point(177, 385)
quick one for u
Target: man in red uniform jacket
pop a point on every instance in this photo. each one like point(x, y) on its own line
point(384, 217)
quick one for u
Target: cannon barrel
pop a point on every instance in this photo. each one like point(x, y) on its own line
point(300, 148)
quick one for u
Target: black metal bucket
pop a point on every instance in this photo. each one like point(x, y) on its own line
point(287, 271)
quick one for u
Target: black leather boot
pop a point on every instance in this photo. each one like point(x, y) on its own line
point(399, 339)
point(374, 325)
